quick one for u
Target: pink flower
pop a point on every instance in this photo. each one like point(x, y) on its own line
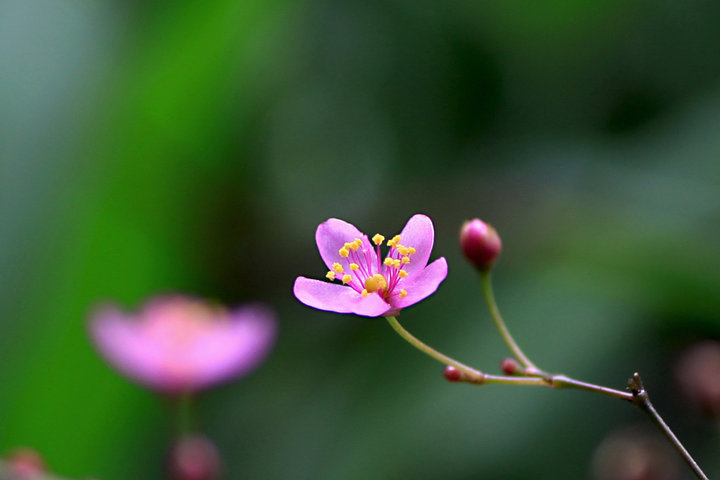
point(179, 344)
point(363, 283)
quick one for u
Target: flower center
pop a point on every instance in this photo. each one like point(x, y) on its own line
point(375, 283)
point(365, 274)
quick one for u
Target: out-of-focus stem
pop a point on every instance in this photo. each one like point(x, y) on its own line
point(183, 413)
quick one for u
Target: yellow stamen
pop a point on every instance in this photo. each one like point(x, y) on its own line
point(396, 263)
point(402, 274)
point(402, 250)
point(354, 266)
point(378, 239)
point(393, 241)
point(375, 283)
point(338, 268)
point(356, 244)
point(364, 293)
point(344, 252)
point(388, 261)
point(346, 279)
point(411, 250)
point(403, 293)
point(405, 260)
point(348, 245)
point(330, 275)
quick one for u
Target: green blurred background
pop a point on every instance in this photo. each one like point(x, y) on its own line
point(150, 147)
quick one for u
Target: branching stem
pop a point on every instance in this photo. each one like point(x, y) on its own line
point(642, 401)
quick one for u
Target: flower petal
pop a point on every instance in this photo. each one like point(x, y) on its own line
point(338, 298)
point(418, 233)
point(121, 341)
point(330, 237)
point(235, 347)
point(421, 285)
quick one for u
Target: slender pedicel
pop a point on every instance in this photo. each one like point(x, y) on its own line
point(530, 367)
point(471, 375)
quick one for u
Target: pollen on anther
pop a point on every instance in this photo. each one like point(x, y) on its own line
point(411, 250)
point(402, 274)
point(344, 252)
point(406, 260)
point(393, 241)
point(378, 239)
point(357, 243)
point(396, 263)
point(403, 293)
point(330, 275)
point(346, 279)
point(402, 250)
point(338, 268)
point(364, 293)
point(354, 266)
point(388, 262)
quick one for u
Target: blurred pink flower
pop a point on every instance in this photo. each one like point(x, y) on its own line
point(370, 286)
point(25, 463)
point(698, 373)
point(179, 344)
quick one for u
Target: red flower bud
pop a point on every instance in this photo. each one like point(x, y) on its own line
point(510, 367)
point(25, 463)
point(480, 243)
point(195, 457)
point(452, 374)
point(698, 372)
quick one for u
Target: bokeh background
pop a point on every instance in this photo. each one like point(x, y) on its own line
point(150, 147)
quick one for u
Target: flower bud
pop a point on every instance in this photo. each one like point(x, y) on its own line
point(510, 367)
point(698, 373)
point(635, 454)
point(452, 374)
point(25, 463)
point(480, 243)
point(194, 457)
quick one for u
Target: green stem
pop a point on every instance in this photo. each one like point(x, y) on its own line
point(638, 397)
point(469, 372)
point(477, 377)
point(500, 324)
point(183, 413)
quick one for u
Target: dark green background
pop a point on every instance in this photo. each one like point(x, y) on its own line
point(150, 147)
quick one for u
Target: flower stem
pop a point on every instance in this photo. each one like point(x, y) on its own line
point(472, 375)
point(642, 401)
point(561, 381)
point(536, 377)
point(500, 324)
point(468, 372)
point(183, 413)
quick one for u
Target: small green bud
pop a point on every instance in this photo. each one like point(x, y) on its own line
point(480, 243)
